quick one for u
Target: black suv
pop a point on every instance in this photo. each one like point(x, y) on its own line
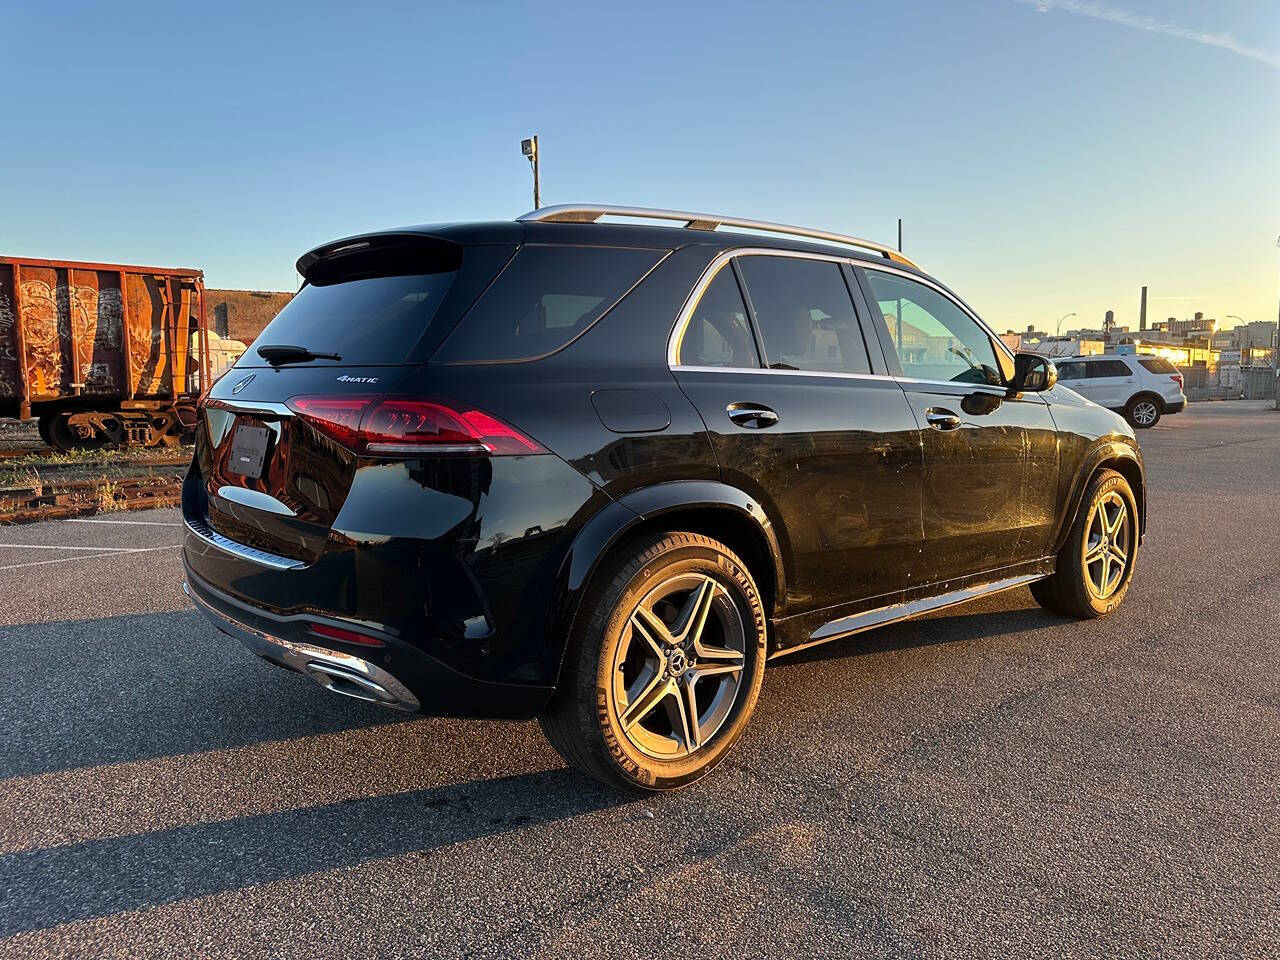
point(599, 473)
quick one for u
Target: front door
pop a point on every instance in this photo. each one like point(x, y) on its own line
point(799, 421)
point(991, 460)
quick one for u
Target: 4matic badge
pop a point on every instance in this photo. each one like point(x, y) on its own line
point(345, 379)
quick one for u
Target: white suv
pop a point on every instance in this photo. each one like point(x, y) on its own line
point(1142, 388)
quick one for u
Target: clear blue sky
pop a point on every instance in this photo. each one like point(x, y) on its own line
point(1044, 161)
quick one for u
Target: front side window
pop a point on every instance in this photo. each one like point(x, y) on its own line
point(719, 332)
point(935, 339)
point(1071, 371)
point(805, 314)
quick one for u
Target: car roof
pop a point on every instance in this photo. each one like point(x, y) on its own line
point(599, 234)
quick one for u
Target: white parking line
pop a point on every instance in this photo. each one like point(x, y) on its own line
point(139, 523)
point(107, 553)
point(52, 546)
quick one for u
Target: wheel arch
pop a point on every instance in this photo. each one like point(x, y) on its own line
point(711, 508)
point(1120, 457)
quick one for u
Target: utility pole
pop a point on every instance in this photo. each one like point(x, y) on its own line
point(1142, 311)
point(899, 234)
point(530, 149)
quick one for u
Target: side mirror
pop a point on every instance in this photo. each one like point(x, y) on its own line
point(1033, 373)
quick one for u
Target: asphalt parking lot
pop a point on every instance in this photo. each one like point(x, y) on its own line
point(993, 781)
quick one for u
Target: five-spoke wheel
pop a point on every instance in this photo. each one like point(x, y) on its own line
point(1095, 566)
point(678, 668)
point(1106, 545)
point(664, 667)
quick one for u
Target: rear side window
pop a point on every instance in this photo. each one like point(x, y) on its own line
point(547, 296)
point(1071, 371)
point(371, 321)
point(1158, 365)
point(805, 315)
point(1109, 368)
point(719, 333)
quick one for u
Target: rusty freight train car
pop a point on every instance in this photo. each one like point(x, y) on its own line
point(102, 353)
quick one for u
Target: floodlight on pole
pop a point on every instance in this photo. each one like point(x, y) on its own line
point(529, 148)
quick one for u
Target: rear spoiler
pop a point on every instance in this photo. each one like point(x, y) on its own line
point(379, 254)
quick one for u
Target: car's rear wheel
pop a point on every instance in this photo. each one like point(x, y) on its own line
point(1096, 566)
point(664, 667)
point(1143, 412)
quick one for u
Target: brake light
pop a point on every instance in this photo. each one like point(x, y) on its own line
point(1176, 378)
point(407, 426)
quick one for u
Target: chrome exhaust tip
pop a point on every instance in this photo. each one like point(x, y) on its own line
point(337, 672)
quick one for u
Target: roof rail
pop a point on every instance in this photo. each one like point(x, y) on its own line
point(590, 213)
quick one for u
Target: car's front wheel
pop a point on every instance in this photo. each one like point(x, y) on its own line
point(1095, 567)
point(664, 666)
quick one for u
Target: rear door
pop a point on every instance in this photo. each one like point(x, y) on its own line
point(1111, 383)
point(990, 461)
point(774, 358)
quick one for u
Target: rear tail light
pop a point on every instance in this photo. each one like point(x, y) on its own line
point(408, 426)
point(1176, 378)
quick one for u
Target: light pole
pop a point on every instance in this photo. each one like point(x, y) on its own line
point(530, 149)
point(1060, 319)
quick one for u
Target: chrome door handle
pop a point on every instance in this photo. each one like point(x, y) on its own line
point(751, 415)
point(941, 419)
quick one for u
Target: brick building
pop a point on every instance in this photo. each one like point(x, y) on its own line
point(241, 314)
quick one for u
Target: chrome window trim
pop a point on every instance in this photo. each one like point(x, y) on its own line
point(714, 267)
point(829, 374)
point(937, 287)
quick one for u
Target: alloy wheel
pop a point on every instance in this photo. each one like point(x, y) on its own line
point(679, 667)
point(1106, 545)
point(1145, 412)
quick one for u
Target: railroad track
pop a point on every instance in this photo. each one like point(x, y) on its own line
point(52, 489)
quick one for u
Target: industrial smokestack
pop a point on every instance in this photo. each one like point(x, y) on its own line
point(1142, 311)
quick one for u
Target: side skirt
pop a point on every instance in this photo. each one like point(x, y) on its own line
point(882, 616)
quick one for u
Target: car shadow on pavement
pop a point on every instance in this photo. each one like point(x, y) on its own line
point(86, 880)
point(129, 688)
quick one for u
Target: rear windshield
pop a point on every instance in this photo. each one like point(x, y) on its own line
point(376, 320)
point(546, 297)
point(1158, 365)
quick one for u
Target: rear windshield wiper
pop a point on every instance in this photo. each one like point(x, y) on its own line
point(779, 365)
point(278, 353)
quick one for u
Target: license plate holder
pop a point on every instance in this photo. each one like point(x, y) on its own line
point(249, 451)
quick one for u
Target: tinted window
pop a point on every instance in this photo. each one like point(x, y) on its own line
point(377, 320)
point(805, 315)
point(1071, 371)
point(1109, 368)
point(1158, 365)
point(719, 333)
point(545, 297)
point(935, 339)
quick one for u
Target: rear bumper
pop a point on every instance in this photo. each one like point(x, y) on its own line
point(396, 675)
point(1175, 406)
point(334, 670)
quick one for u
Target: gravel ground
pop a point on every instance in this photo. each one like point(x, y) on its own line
point(993, 781)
